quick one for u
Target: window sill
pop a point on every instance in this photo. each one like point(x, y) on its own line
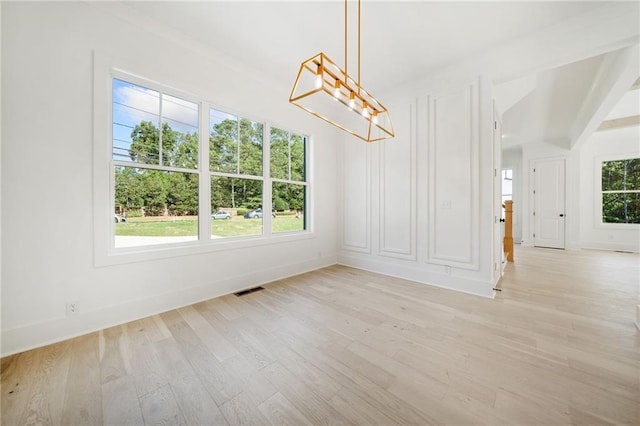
point(117, 256)
point(619, 226)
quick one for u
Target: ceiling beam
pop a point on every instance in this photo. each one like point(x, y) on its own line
point(618, 123)
point(616, 75)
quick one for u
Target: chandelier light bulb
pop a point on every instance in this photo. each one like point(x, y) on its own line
point(365, 111)
point(352, 100)
point(336, 92)
point(319, 77)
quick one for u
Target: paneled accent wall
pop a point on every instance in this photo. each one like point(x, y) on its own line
point(356, 196)
point(397, 186)
point(453, 139)
point(411, 205)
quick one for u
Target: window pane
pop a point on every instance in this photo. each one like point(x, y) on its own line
point(287, 155)
point(223, 142)
point(136, 118)
point(242, 200)
point(279, 154)
point(621, 175)
point(154, 207)
point(179, 133)
point(250, 147)
point(621, 208)
point(289, 203)
point(297, 147)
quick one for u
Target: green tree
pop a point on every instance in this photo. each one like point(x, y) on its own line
point(182, 194)
point(250, 148)
point(128, 189)
point(622, 176)
point(186, 150)
point(279, 204)
point(297, 158)
point(235, 146)
point(154, 192)
point(223, 147)
point(145, 144)
point(279, 151)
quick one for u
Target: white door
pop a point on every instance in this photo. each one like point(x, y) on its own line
point(549, 203)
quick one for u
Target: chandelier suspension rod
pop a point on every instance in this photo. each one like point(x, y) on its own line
point(358, 46)
point(346, 35)
point(346, 38)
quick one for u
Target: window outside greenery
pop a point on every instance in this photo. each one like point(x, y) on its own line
point(156, 171)
point(155, 153)
point(287, 153)
point(235, 162)
point(621, 191)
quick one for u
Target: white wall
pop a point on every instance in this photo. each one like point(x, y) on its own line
point(370, 173)
point(583, 227)
point(419, 206)
point(541, 151)
point(603, 146)
point(47, 173)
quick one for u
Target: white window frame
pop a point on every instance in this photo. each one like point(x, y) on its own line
point(104, 181)
point(304, 183)
point(598, 192)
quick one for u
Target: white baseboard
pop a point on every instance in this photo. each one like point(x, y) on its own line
point(420, 275)
point(40, 334)
point(602, 245)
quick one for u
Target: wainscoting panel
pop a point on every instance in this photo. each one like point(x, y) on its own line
point(397, 232)
point(453, 177)
point(356, 198)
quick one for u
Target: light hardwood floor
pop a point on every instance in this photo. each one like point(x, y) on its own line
point(343, 346)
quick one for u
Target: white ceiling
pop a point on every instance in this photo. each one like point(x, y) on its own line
point(401, 40)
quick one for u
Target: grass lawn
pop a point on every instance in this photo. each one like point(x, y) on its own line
point(238, 226)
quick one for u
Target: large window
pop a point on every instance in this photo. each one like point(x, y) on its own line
point(289, 185)
point(621, 191)
point(155, 157)
point(158, 191)
point(235, 163)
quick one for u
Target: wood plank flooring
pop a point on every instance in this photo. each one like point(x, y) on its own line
point(344, 346)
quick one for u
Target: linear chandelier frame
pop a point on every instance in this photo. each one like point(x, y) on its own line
point(319, 76)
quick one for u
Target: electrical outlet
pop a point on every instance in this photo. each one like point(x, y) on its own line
point(73, 308)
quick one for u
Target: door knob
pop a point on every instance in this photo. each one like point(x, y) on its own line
point(501, 220)
point(561, 214)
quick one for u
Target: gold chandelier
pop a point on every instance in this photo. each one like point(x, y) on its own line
point(319, 76)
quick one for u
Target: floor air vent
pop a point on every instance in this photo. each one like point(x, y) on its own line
point(251, 290)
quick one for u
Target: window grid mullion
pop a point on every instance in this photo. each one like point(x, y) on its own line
point(289, 153)
point(153, 167)
point(267, 187)
point(160, 153)
point(204, 181)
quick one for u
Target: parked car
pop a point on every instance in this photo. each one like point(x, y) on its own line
point(256, 214)
point(221, 215)
point(119, 218)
